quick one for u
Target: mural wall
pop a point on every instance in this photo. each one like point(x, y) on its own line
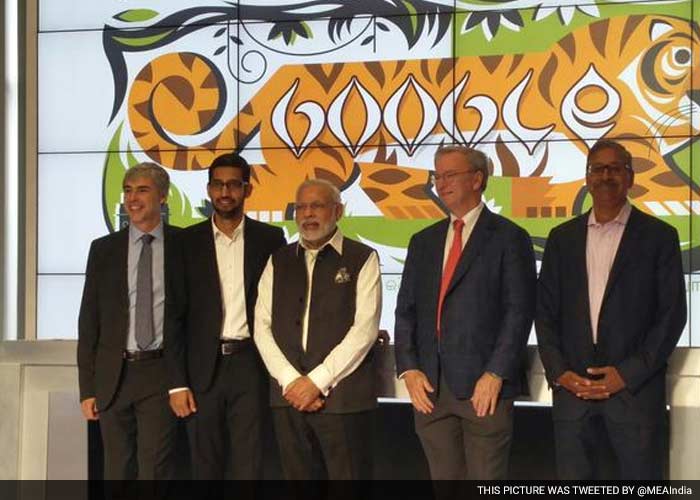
point(361, 93)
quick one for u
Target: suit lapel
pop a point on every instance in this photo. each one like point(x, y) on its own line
point(249, 236)
point(580, 268)
point(481, 234)
point(434, 259)
point(121, 256)
point(628, 243)
point(210, 263)
point(167, 237)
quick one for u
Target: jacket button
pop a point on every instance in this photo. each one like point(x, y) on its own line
point(298, 322)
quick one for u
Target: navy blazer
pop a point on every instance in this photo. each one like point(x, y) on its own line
point(641, 318)
point(487, 313)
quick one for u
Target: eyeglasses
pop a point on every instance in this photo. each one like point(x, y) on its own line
point(314, 206)
point(614, 170)
point(232, 185)
point(449, 176)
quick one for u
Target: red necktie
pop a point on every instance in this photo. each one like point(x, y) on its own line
point(450, 266)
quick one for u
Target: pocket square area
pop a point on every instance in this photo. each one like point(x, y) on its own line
point(342, 276)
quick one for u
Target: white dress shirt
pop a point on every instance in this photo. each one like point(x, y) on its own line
point(229, 260)
point(347, 356)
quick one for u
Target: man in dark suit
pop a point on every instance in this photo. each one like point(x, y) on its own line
point(463, 314)
point(611, 307)
point(122, 373)
point(216, 376)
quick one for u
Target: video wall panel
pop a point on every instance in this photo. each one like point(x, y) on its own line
point(363, 93)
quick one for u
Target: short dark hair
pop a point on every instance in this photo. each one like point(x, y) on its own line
point(230, 160)
point(610, 144)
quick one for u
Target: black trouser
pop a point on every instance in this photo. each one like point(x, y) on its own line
point(225, 434)
point(139, 430)
point(637, 446)
point(342, 442)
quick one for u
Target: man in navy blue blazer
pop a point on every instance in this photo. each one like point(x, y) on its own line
point(463, 314)
point(611, 307)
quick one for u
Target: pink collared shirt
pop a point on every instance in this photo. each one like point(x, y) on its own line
point(602, 243)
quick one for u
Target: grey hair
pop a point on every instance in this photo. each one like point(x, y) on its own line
point(330, 187)
point(477, 160)
point(154, 172)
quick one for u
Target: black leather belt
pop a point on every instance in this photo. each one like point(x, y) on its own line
point(228, 346)
point(142, 355)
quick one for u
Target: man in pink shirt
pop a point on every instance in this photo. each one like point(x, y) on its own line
point(611, 305)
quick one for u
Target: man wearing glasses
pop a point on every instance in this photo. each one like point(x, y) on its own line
point(611, 307)
point(217, 380)
point(316, 320)
point(463, 315)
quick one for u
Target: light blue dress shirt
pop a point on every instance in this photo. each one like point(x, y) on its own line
point(158, 281)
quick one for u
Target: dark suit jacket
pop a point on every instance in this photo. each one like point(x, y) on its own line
point(487, 312)
point(641, 317)
point(103, 324)
point(192, 339)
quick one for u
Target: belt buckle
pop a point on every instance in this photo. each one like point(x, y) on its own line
point(226, 348)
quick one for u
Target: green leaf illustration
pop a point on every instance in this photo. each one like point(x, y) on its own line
point(136, 15)
point(409, 7)
point(130, 158)
point(142, 42)
point(180, 212)
point(412, 12)
point(307, 29)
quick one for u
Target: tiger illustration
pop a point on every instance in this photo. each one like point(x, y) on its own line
point(633, 78)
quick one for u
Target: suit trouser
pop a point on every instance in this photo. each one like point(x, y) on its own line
point(637, 446)
point(139, 430)
point(460, 445)
point(310, 442)
point(225, 433)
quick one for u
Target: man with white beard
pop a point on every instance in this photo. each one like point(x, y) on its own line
point(316, 320)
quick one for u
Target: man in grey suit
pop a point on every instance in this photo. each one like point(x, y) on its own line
point(463, 314)
point(122, 373)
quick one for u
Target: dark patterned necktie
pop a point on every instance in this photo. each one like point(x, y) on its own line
point(144, 294)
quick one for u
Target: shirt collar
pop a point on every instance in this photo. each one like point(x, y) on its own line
point(135, 233)
point(336, 242)
point(237, 233)
point(470, 217)
point(621, 218)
